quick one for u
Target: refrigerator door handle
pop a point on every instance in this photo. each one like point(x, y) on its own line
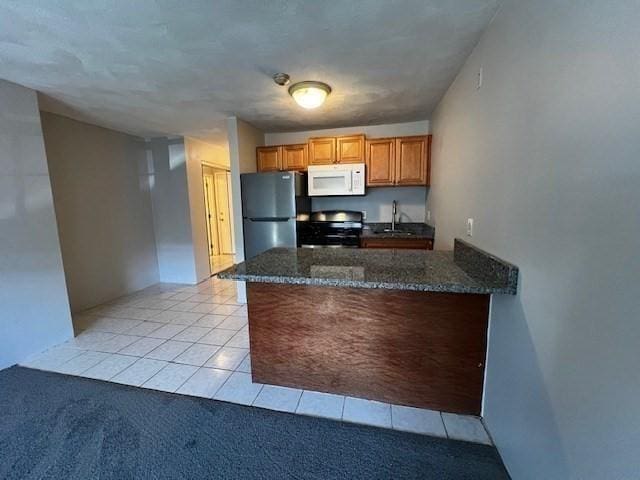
point(269, 219)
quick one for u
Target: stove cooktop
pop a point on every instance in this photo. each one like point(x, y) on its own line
point(333, 228)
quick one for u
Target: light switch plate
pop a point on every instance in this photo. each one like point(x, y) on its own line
point(469, 227)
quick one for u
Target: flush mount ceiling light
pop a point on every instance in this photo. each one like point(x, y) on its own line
point(309, 94)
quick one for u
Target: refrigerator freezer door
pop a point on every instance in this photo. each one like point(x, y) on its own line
point(260, 236)
point(268, 195)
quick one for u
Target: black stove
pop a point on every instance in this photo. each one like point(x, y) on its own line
point(333, 229)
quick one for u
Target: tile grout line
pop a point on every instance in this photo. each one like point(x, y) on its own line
point(295, 410)
point(119, 372)
point(444, 425)
point(187, 379)
point(159, 371)
point(220, 387)
point(259, 392)
point(164, 323)
point(486, 430)
point(90, 367)
point(152, 376)
point(80, 352)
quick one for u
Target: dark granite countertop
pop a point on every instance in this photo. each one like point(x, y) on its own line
point(420, 231)
point(474, 271)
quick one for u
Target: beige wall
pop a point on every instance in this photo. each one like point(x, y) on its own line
point(203, 152)
point(179, 210)
point(545, 157)
point(171, 211)
point(248, 138)
point(103, 207)
point(34, 307)
point(197, 152)
point(243, 140)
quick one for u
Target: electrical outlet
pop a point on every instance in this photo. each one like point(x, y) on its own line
point(469, 227)
point(364, 214)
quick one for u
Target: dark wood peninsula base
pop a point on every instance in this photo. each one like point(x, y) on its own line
point(422, 349)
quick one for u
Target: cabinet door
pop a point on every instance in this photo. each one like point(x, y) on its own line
point(381, 162)
point(397, 243)
point(269, 159)
point(294, 157)
point(322, 151)
point(412, 160)
point(350, 149)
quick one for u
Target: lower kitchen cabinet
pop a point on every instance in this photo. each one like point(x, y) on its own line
point(409, 243)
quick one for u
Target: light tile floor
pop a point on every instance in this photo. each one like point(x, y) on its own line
point(194, 340)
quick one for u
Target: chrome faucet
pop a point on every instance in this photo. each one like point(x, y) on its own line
point(394, 207)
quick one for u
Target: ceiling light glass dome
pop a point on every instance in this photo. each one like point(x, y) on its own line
point(309, 94)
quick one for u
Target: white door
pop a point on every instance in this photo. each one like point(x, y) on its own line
point(224, 216)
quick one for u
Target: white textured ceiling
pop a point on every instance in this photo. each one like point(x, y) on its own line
point(160, 67)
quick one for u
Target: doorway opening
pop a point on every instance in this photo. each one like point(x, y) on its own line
point(217, 200)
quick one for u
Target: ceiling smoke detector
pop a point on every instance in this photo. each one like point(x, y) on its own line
point(281, 79)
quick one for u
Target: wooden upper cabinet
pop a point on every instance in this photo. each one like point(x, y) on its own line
point(294, 157)
point(322, 150)
point(328, 150)
point(269, 159)
point(381, 162)
point(389, 161)
point(412, 160)
point(350, 149)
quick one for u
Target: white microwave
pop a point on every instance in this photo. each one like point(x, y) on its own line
point(336, 179)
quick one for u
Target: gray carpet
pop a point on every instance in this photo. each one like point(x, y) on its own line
point(57, 426)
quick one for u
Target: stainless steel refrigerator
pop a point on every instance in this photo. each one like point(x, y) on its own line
point(275, 210)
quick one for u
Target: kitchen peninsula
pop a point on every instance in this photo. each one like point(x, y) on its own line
point(402, 326)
